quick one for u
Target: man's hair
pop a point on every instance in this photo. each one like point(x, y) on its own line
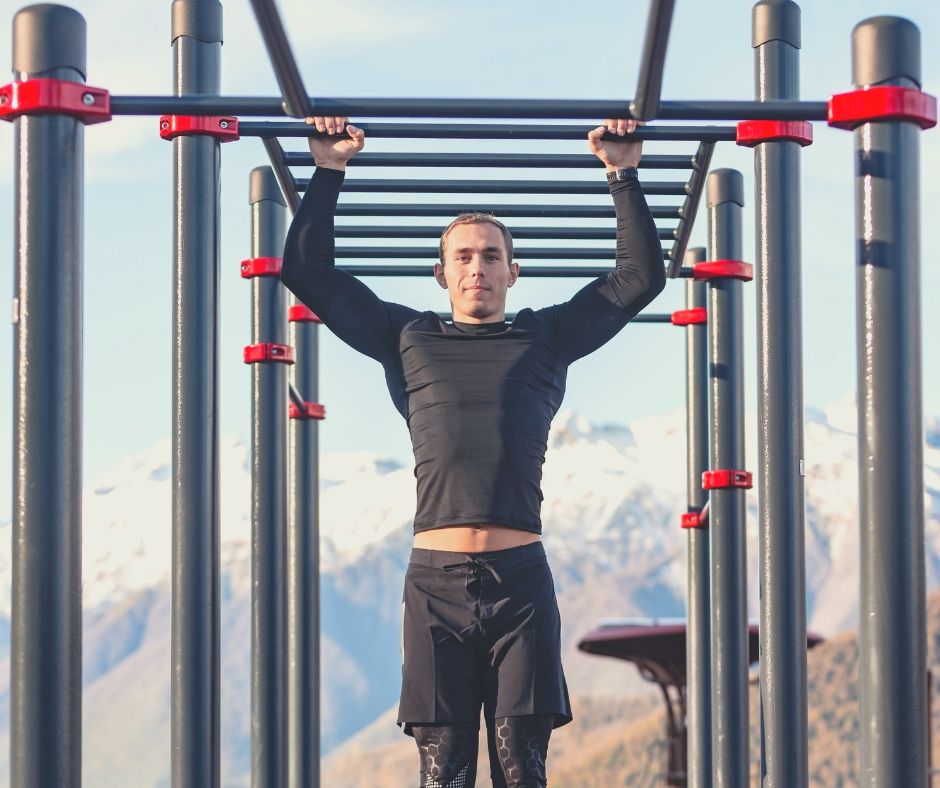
point(477, 218)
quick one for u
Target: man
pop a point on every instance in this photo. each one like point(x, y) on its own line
point(480, 621)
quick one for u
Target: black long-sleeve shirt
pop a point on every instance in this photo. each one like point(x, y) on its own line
point(478, 398)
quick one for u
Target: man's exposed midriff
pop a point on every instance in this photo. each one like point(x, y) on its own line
point(474, 538)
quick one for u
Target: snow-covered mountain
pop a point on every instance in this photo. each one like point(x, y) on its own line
point(613, 498)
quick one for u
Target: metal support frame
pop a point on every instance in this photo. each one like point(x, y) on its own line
point(195, 708)
point(269, 692)
point(46, 627)
point(782, 575)
point(296, 101)
point(645, 104)
point(729, 624)
point(698, 586)
point(892, 634)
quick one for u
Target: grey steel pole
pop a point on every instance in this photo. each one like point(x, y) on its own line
point(303, 571)
point(727, 506)
point(784, 761)
point(46, 629)
point(269, 699)
point(197, 43)
point(886, 51)
point(698, 628)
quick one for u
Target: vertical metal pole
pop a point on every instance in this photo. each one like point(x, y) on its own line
point(303, 556)
point(784, 761)
point(197, 42)
point(698, 628)
point(892, 647)
point(46, 633)
point(269, 699)
point(726, 520)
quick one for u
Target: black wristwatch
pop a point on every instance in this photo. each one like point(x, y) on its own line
point(621, 175)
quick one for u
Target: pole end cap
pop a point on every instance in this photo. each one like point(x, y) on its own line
point(262, 185)
point(48, 37)
point(885, 49)
point(725, 185)
point(775, 20)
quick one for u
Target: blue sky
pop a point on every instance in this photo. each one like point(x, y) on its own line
point(423, 48)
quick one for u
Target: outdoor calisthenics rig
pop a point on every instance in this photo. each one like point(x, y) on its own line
point(50, 105)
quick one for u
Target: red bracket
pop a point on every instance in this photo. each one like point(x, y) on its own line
point(694, 520)
point(269, 351)
point(723, 269)
point(754, 132)
point(301, 313)
point(222, 127)
point(261, 266)
point(312, 410)
point(727, 479)
point(882, 102)
point(54, 97)
point(690, 317)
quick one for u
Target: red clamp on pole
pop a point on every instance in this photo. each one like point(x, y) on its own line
point(269, 351)
point(690, 317)
point(727, 479)
point(223, 127)
point(723, 269)
point(754, 132)
point(694, 520)
point(54, 97)
point(261, 266)
point(301, 313)
point(312, 410)
point(882, 102)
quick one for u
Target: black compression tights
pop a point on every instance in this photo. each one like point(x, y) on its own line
point(518, 747)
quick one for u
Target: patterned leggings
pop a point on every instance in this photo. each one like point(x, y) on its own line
point(518, 748)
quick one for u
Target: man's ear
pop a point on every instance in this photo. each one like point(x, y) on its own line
point(513, 273)
point(439, 275)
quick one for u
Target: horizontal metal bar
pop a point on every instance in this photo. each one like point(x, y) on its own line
point(561, 272)
point(641, 318)
point(505, 211)
point(403, 185)
point(518, 233)
point(260, 106)
point(492, 131)
point(422, 252)
point(548, 160)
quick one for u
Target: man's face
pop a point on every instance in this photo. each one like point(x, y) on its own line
point(476, 271)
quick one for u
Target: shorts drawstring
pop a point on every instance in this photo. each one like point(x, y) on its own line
point(474, 564)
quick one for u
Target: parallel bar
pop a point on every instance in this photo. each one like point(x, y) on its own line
point(646, 103)
point(536, 109)
point(689, 210)
point(285, 178)
point(269, 696)
point(526, 271)
point(46, 626)
point(296, 100)
point(508, 211)
point(785, 760)
point(414, 186)
point(196, 694)
point(698, 585)
point(892, 632)
point(730, 731)
point(431, 252)
point(492, 131)
point(651, 317)
point(519, 160)
point(518, 233)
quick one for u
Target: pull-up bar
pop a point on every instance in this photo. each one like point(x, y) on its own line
point(518, 160)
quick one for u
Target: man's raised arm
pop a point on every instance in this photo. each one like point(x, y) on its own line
point(345, 305)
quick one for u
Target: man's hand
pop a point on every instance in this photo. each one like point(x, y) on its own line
point(619, 154)
point(344, 142)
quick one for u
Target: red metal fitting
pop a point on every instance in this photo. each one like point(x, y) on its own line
point(753, 132)
point(312, 410)
point(301, 313)
point(269, 351)
point(726, 479)
point(261, 266)
point(723, 269)
point(882, 102)
point(55, 97)
point(222, 127)
point(694, 520)
point(690, 317)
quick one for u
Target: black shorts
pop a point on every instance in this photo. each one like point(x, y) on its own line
point(480, 628)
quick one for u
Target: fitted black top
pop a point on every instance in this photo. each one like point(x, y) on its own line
point(478, 398)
